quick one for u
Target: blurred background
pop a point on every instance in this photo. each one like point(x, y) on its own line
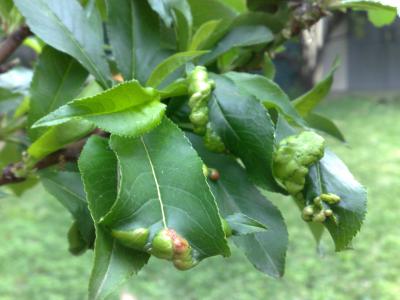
point(365, 104)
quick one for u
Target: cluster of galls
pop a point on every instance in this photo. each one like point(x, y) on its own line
point(166, 244)
point(319, 211)
point(294, 156)
point(200, 88)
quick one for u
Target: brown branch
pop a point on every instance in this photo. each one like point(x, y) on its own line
point(12, 42)
point(69, 154)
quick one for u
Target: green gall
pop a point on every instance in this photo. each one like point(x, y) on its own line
point(317, 201)
point(213, 141)
point(77, 244)
point(328, 212)
point(307, 213)
point(135, 239)
point(319, 217)
point(308, 210)
point(330, 198)
point(162, 245)
point(185, 264)
point(227, 229)
point(199, 117)
point(293, 156)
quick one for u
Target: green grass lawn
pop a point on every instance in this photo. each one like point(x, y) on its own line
point(35, 263)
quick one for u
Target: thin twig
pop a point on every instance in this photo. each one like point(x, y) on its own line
point(12, 42)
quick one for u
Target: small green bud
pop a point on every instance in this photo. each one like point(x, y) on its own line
point(227, 229)
point(330, 198)
point(319, 217)
point(135, 239)
point(162, 245)
point(328, 212)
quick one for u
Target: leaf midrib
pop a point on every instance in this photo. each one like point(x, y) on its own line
point(156, 182)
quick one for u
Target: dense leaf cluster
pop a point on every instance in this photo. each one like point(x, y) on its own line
point(179, 140)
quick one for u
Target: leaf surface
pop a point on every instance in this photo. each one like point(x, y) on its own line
point(64, 25)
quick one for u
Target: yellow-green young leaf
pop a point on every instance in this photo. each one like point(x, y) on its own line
point(58, 78)
point(171, 64)
point(113, 263)
point(58, 137)
point(67, 20)
point(307, 102)
point(203, 33)
point(330, 175)
point(170, 190)
point(126, 109)
point(266, 249)
point(381, 18)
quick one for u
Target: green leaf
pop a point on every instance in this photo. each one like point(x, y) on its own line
point(98, 167)
point(237, 5)
point(241, 36)
point(267, 92)
point(307, 102)
point(330, 175)
point(269, 67)
point(175, 89)
point(380, 13)
point(243, 225)
point(134, 33)
point(177, 12)
point(385, 5)
point(206, 10)
point(127, 109)
point(113, 265)
point(170, 190)
point(67, 188)
point(235, 193)
point(67, 21)
point(58, 78)
point(203, 33)
point(324, 124)
point(245, 128)
point(9, 100)
point(381, 18)
point(58, 137)
point(171, 64)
